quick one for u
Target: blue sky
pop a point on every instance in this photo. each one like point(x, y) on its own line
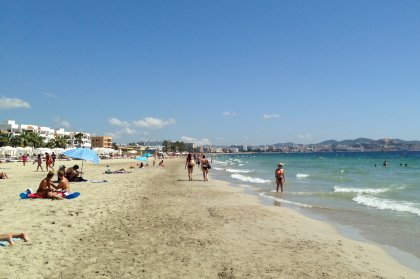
point(215, 72)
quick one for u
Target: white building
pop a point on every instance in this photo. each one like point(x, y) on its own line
point(46, 133)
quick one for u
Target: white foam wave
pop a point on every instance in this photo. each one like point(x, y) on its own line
point(285, 201)
point(241, 165)
point(249, 179)
point(338, 189)
point(379, 203)
point(302, 175)
point(216, 168)
point(238, 171)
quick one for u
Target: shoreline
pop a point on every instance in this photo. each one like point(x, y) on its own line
point(155, 223)
point(349, 231)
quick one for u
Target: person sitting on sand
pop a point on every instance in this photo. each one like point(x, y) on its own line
point(63, 185)
point(9, 237)
point(117, 171)
point(72, 174)
point(3, 175)
point(161, 164)
point(46, 187)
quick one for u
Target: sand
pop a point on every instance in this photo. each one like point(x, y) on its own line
point(154, 223)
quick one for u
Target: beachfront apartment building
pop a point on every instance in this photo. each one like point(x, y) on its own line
point(101, 141)
point(47, 133)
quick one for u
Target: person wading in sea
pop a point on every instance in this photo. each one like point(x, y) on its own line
point(279, 174)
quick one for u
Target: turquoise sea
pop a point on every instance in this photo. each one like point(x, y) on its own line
point(353, 191)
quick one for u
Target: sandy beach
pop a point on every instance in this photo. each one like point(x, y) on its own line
point(154, 223)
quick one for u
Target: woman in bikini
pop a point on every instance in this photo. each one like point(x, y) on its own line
point(205, 165)
point(189, 163)
point(279, 174)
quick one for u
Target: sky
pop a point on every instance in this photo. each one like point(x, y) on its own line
point(213, 72)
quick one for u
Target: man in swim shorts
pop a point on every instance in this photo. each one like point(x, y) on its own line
point(279, 174)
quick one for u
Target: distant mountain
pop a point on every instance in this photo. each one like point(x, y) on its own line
point(355, 141)
point(350, 142)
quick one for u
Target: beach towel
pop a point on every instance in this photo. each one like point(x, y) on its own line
point(26, 195)
point(5, 243)
point(95, 181)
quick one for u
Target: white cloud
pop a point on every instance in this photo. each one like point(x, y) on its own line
point(202, 141)
point(62, 122)
point(119, 123)
point(120, 133)
point(229, 113)
point(51, 95)
point(151, 122)
point(304, 136)
point(270, 116)
point(13, 103)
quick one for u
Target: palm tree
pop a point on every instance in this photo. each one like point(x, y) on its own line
point(78, 139)
point(15, 141)
point(5, 139)
point(61, 142)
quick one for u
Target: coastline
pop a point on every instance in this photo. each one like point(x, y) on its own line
point(154, 223)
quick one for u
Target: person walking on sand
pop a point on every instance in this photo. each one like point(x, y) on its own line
point(53, 158)
point(48, 161)
point(205, 166)
point(24, 159)
point(279, 174)
point(190, 163)
point(39, 161)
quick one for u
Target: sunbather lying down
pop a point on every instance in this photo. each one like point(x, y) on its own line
point(117, 171)
point(9, 237)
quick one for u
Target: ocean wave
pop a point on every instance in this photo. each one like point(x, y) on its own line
point(285, 201)
point(238, 171)
point(302, 175)
point(338, 189)
point(216, 168)
point(249, 179)
point(400, 206)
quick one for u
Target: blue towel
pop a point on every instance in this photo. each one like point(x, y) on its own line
point(5, 243)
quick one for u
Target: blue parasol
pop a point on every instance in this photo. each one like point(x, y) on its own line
point(147, 155)
point(142, 158)
point(84, 154)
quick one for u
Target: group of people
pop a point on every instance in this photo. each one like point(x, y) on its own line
point(49, 161)
point(193, 160)
point(47, 189)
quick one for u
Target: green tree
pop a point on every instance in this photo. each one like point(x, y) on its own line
point(61, 141)
point(78, 139)
point(15, 141)
point(114, 146)
point(5, 139)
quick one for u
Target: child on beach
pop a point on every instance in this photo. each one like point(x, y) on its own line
point(3, 175)
point(39, 161)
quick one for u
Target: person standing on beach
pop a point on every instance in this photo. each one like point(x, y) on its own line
point(48, 161)
point(189, 163)
point(53, 158)
point(39, 161)
point(205, 166)
point(24, 159)
point(279, 174)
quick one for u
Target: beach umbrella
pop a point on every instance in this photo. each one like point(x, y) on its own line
point(142, 158)
point(83, 154)
point(147, 155)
